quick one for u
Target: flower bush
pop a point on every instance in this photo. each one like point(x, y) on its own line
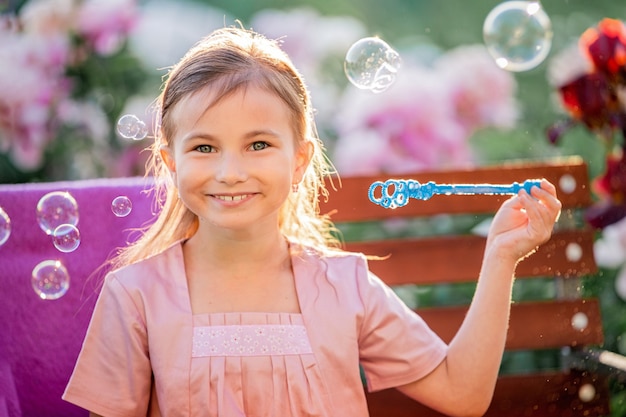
point(69, 76)
point(591, 81)
point(425, 120)
point(590, 78)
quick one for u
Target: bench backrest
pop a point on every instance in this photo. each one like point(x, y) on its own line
point(438, 262)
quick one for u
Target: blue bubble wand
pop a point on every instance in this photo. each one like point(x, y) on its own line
point(395, 193)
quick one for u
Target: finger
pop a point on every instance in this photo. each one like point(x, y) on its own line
point(548, 186)
point(541, 213)
point(547, 195)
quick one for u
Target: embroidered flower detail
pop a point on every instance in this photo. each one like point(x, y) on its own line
point(250, 340)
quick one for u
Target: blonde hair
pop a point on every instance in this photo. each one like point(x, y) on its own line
point(227, 60)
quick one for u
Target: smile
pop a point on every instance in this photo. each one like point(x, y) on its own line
point(232, 197)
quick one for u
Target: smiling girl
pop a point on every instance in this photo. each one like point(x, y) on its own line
point(237, 302)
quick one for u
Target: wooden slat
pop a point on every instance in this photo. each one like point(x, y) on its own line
point(350, 202)
point(544, 395)
point(427, 260)
point(533, 325)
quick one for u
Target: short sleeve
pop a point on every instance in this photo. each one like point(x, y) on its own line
point(396, 346)
point(112, 376)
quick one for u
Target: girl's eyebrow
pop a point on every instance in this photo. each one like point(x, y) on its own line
point(197, 135)
point(261, 132)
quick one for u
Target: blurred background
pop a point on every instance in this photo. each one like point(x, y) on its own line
point(70, 69)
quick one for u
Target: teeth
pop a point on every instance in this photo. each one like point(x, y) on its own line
point(231, 197)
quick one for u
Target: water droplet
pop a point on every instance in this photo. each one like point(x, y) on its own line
point(518, 35)
point(371, 64)
point(56, 208)
point(5, 227)
point(66, 238)
point(121, 206)
point(50, 280)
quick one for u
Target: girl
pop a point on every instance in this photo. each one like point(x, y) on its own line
point(236, 301)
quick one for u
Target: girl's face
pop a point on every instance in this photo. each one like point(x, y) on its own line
point(234, 163)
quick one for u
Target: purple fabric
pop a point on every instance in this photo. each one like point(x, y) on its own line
point(40, 339)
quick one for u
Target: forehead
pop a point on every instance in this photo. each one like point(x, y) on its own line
point(245, 104)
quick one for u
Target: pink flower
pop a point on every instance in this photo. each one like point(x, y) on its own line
point(106, 23)
point(424, 121)
point(48, 17)
point(30, 86)
point(307, 36)
point(483, 94)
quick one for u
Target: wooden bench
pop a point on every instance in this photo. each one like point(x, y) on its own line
point(551, 326)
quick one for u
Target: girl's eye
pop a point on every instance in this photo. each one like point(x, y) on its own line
point(204, 148)
point(257, 146)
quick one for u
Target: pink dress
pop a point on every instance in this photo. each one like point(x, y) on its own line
point(146, 354)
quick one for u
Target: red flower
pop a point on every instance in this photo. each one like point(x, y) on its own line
point(611, 189)
point(606, 47)
point(612, 183)
point(591, 99)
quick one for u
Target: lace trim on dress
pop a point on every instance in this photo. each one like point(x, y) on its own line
point(250, 340)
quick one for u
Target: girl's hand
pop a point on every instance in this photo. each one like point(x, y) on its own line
point(524, 222)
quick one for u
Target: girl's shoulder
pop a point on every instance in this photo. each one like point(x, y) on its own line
point(335, 265)
point(161, 266)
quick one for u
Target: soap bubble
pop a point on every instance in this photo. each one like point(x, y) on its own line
point(50, 280)
point(121, 206)
point(518, 35)
point(56, 208)
point(130, 126)
point(66, 238)
point(5, 227)
point(371, 64)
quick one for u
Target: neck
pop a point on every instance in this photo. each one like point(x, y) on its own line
point(237, 251)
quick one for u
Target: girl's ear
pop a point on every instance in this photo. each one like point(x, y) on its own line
point(303, 158)
point(167, 155)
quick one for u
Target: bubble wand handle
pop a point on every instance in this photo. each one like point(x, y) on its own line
point(395, 193)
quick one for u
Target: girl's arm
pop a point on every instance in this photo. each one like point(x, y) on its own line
point(464, 382)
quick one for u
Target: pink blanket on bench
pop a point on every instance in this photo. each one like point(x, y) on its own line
point(40, 339)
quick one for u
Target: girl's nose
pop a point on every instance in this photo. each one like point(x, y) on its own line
point(231, 168)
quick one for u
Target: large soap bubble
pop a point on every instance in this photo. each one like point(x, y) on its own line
point(50, 280)
point(518, 35)
point(56, 208)
point(371, 64)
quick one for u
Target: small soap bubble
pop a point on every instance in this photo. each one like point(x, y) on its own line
point(5, 227)
point(121, 206)
point(50, 280)
point(130, 126)
point(371, 64)
point(518, 35)
point(56, 208)
point(66, 238)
